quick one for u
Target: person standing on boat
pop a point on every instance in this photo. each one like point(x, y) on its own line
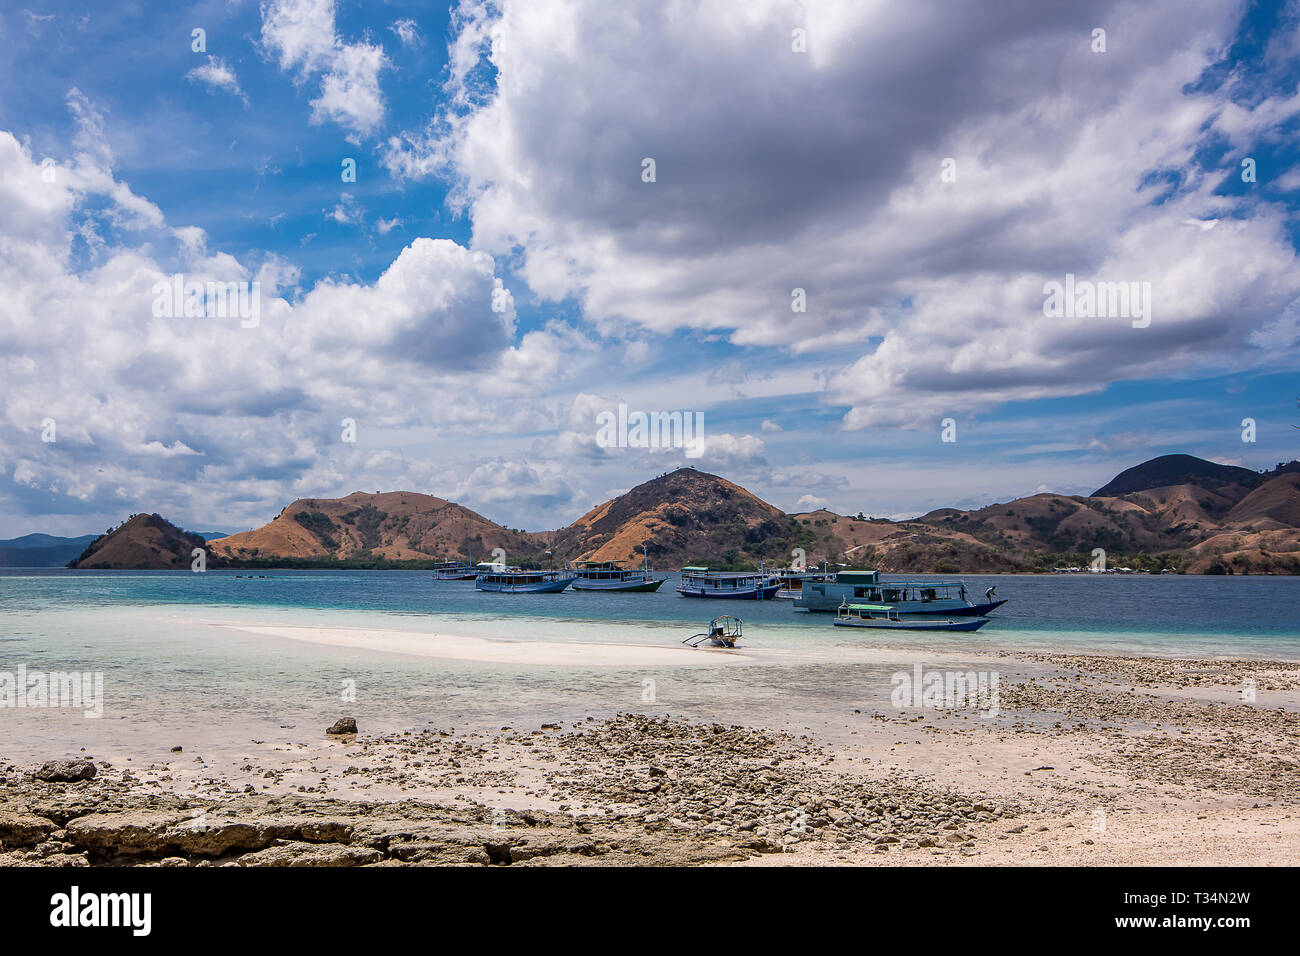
point(988, 595)
point(962, 592)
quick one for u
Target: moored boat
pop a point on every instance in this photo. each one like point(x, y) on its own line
point(885, 617)
point(454, 571)
point(519, 581)
point(917, 597)
point(792, 581)
point(612, 576)
point(730, 585)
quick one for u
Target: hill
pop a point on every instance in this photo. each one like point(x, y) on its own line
point(684, 517)
point(1170, 470)
point(391, 526)
point(139, 543)
point(41, 550)
point(1206, 517)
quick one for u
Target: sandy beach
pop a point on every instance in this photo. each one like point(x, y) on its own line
point(1081, 760)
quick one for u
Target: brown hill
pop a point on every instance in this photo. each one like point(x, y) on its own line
point(1274, 504)
point(141, 542)
point(691, 516)
point(392, 526)
point(683, 517)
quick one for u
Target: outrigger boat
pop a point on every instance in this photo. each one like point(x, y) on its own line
point(887, 618)
point(455, 571)
point(612, 576)
point(723, 631)
point(736, 586)
point(518, 581)
point(945, 598)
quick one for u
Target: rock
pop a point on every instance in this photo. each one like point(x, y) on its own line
point(23, 829)
point(344, 725)
point(66, 771)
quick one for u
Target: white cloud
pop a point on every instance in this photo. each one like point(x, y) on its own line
point(301, 35)
point(407, 31)
point(774, 173)
point(217, 74)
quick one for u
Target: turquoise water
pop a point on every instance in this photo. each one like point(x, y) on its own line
point(178, 670)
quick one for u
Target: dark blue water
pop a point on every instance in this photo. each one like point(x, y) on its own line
point(1240, 607)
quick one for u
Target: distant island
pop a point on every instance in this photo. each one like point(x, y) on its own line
point(1176, 512)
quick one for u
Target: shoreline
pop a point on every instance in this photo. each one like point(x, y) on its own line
point(1093, 759)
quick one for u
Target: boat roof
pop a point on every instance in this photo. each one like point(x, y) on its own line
point(871, 607)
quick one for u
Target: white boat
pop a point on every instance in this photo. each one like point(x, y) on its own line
point(519, 581)
point(791, 581)
point(939, 598)
point(723, 631)
point(455, 571)
point(884, 617)
point(729, 585)
point(612, 576)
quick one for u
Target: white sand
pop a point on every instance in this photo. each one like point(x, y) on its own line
point(455, 647)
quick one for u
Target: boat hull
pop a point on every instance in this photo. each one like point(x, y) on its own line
point(970, 624)
point(644, 586)
point(814, 599)
point(765, 593)
point(541, 587)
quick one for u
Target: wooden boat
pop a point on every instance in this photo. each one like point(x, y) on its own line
point(454, 571)
point(916, 597)
point(518, 581)
point(792, 580)
point(612, 576)
point(888, 618)
point(735, 586)
point(723, 631)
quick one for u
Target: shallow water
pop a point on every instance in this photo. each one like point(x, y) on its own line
point(176, 671)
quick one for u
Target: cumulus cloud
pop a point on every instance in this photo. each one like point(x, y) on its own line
point(203, 416)
point(300, 35)
point(824, 171)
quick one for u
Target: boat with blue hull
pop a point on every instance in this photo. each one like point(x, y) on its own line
point(518, 581)
point(918, 597)
point(886, 618)
point(612, 576)
point(728, 585)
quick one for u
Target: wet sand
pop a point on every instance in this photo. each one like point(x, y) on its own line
point(1087, 760)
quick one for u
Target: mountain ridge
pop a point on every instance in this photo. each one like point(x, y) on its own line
point(691, 516)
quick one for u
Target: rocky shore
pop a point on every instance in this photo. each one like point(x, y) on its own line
point(1142, 745)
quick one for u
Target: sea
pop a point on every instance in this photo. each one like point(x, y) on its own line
point(178, 670)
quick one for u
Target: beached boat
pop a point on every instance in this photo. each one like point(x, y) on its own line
point(885, 617)
point(518, 581)
point(455, 571)
point(946, 598)
point(730, 585)
point(723, 631)
point(612, 576)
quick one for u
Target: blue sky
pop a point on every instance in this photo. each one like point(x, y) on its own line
point(504, 142)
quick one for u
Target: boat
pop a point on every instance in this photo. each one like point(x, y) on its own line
point(455, 571)
point(723, 631)
point(519, 581)
point(612, 576)
point(947, 598)
point(886, 617)
point(732, 585)
point(792, 580)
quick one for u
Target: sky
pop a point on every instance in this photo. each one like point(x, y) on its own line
point(827, 230)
